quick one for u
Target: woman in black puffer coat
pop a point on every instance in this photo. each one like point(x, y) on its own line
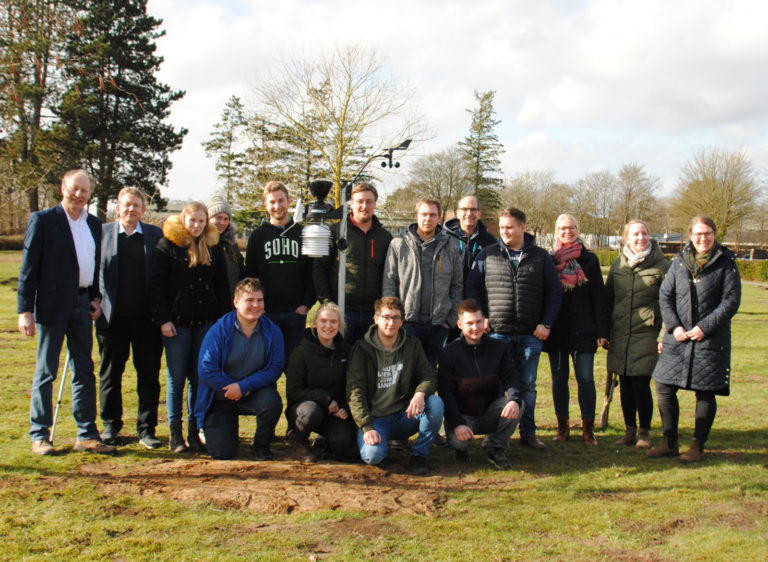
point(698, 298)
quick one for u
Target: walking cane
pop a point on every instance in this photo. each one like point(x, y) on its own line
point(611, 382)
point(61, 391)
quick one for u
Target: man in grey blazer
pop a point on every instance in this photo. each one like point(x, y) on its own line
point(58, 297)
point(127, 246)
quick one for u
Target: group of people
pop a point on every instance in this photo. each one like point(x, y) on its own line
point(444, 309)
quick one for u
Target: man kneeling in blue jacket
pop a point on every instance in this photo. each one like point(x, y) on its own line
point(241, 358)
point(479, 387)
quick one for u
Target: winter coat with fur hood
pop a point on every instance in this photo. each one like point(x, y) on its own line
point(187, 296)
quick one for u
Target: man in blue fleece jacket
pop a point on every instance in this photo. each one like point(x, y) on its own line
point(241, 358)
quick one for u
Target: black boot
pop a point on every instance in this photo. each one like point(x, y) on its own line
point(176, 441)
point(193, 438)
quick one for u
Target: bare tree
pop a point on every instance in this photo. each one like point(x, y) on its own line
point(336, 104)
point(720, 183)
point(444, 176)
point(536, 193)
point(594, 203)
point(635, 194)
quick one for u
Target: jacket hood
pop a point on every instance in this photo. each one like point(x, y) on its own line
point(173, 230)
point(376, 344)
point(230, 233)
point(413, 232)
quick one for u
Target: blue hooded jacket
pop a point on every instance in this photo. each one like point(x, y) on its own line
point(213, 356)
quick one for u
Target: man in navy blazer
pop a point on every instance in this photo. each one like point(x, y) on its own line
point(127, 246)
point(58, 296)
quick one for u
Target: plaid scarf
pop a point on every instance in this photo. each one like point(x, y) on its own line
point(632, 258)
point(570, 272)
point(696, 262)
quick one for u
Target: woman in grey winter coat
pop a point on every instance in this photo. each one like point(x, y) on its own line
point(699, 296)
point(633, 299)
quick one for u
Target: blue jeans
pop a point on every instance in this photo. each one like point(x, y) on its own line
point(583, 368)
point(498, 429)
point(525, 350)
point(358, 322)
point(292, 326)
point(50, 339)
point(181, 354)
point(432, 338)
point(222, 426)
point(399, 426)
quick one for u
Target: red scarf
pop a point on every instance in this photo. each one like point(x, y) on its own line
point(570, 272)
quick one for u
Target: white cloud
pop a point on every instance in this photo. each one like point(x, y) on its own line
point(580, 85)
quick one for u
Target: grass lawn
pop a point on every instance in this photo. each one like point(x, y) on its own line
point(563, 503)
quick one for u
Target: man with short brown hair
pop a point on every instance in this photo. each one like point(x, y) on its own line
point(424, 269)
point(367, 245)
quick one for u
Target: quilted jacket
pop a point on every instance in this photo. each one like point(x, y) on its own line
point(709, 302)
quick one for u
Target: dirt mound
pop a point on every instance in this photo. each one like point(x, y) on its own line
point(283, 486)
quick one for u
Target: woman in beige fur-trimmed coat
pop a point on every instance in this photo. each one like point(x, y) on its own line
point(188, 292)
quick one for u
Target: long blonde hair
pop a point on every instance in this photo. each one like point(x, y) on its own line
point(198, 248)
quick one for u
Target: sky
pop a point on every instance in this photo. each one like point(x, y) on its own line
point(581, 86)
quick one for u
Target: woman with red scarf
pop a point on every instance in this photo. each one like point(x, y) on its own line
point(580, 327)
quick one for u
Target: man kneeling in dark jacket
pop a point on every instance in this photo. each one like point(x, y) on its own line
point(474, 374)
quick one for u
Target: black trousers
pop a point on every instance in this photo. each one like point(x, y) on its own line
point(636, 400)
point(669, 408)
point(309, 416)
point(141, 336)
point(222, 427)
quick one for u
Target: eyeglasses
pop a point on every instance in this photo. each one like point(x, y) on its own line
point(567, 228)
point(468, 209)
point(709, 234)
point(394, 319)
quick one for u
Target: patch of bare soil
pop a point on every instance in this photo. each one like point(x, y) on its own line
point(284, 486)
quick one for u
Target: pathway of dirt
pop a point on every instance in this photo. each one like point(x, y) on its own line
point(285, 486)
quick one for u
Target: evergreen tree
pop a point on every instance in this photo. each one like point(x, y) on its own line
point(482, 149)
point(226, 145)
point(112, 116)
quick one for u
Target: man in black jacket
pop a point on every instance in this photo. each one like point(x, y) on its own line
point(469, 229)
point(273, 256)
point(368, 242)
point(516, 282)
point(479, 387)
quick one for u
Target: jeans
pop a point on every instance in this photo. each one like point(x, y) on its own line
point(181, 352)
point(358, 322)
point(498, 429)
point(50, 338)
point(115, 343)
point(525, 350)
point(432, 338)
point(222, 427)
point(309, 416)
point(399, 426)
point(292, 326)
point(583, 368)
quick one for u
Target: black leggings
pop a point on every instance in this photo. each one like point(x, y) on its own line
point(669, 408)
point(636, 397)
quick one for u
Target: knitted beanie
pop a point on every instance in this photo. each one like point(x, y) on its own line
point(217, 205)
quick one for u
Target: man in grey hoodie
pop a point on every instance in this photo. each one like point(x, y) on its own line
point(424, 270)
point(390, 389)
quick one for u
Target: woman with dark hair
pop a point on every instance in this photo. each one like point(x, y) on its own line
point(580, 327)
point(633, 299)
point(220, 214)
point(699, 296)
point(315, 387)
point(188, 292)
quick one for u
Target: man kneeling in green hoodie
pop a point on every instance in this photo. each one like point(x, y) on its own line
point(390, 389)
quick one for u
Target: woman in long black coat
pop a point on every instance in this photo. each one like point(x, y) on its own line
point(698, 298)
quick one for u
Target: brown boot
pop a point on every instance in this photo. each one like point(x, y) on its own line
point(630, 432)
point(563, 429)
point(588, 432)
point(668, 448)
point(643, 439)
point(694, 454)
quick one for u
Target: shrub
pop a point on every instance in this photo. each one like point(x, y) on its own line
point(753, 270)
